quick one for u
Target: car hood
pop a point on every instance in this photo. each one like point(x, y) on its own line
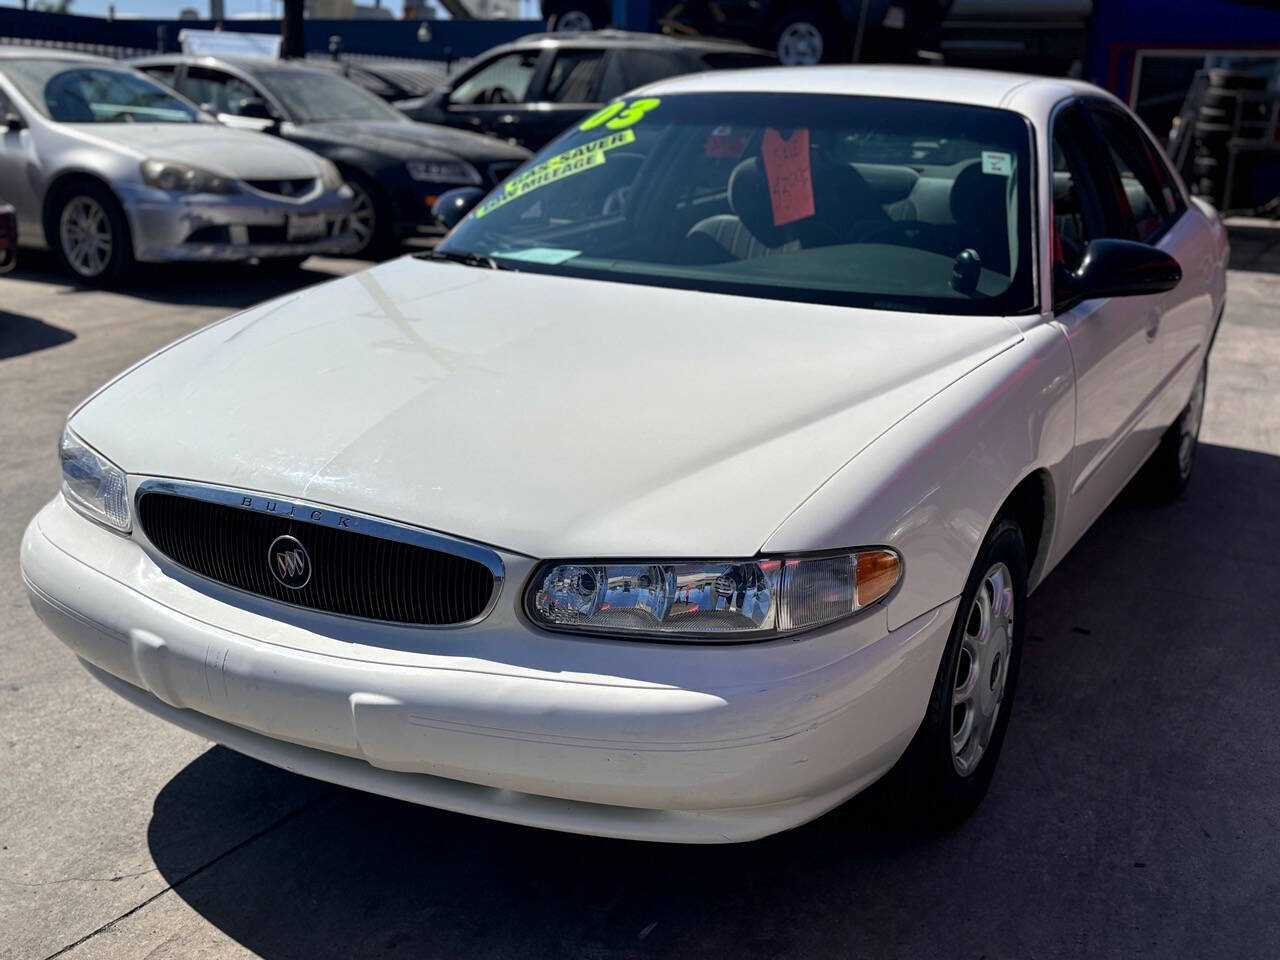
point(414, 140)
point(550, 416)
point(241, 154)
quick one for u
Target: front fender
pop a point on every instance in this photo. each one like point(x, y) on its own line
point(932, 484)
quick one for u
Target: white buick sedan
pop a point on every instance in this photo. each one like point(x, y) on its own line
point(695, 482)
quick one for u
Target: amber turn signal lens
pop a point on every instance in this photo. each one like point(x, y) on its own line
point(878, 573)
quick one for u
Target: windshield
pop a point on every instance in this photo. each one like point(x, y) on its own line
point(890, 203)
point(79, 93)
point(311, 96)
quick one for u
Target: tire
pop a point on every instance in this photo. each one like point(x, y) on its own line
point(1166, 475)
point(89, 234)
point(940, 784)
point(807, 36)
point(376, 239)
point(577, 17)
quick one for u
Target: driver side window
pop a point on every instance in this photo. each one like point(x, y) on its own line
point(222, 91)
point(1074, 205)
point(504, 80)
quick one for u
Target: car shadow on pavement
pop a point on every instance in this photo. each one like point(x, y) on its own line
point(1139, 773)
point(234, 286)
point(21, 334)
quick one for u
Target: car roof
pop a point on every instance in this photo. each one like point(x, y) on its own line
point(629, 39)
point(1033, 96)
point(18, 52)
point(246, 64)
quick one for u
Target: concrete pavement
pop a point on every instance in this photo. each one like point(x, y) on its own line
point(1134, 813)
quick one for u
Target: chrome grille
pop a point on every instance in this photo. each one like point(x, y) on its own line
point(352, 573)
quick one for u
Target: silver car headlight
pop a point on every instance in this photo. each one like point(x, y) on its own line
point(443, 171)
point(184, 178)
point(724, 601)
point(93, 484)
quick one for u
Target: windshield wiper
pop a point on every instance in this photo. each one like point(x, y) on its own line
point(464, 258)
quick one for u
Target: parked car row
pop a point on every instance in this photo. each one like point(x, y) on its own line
point(189, 157)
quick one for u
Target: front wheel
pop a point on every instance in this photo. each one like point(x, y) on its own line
point(90, 234)
point(948, 767)
point(369, 219)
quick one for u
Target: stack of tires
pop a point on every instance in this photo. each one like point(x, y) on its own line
point(1215, 127)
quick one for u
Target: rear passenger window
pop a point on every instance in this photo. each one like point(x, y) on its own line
point(1147, 202)
point(572, 75)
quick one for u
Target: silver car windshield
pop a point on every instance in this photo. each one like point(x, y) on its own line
point(862, 201)
point(71, 92)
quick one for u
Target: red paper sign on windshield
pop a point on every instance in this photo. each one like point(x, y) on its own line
point(786, 165)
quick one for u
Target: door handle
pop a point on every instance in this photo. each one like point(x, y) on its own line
point(508, 120)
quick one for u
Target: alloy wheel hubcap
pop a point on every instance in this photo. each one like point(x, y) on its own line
point(800, 44)
point(574, 21)
point(982, 669)
point(85, 233)
point(1190, 432)
point(362, 215)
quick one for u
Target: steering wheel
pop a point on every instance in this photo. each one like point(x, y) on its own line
point(496, 95)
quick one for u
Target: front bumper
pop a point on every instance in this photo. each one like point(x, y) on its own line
point(656, 742)
point(243, 226)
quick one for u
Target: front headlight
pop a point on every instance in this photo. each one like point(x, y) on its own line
point(443, 171)
point(329, 175)
point(184, 178)
point(709, 601)
point(93, 484)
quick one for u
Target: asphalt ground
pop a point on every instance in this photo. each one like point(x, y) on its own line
point(1136, 811)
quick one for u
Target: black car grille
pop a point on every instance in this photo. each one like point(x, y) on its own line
point(284, 188)
point(352, 574)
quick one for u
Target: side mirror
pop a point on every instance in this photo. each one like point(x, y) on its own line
point(455, 204)
point(254, 108)
point(13, 122)
point(1116, 268)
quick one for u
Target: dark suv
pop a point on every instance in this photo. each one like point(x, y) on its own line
point(531, 90)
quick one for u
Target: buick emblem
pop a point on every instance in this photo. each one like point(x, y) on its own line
point(289, 562)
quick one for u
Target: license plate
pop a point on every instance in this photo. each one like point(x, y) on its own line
point(305, 226)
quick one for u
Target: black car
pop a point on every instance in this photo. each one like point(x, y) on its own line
point(531, 90)
point(799, 32)
point(395, 167)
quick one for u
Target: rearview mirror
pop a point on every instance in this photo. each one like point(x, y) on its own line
point(1115, 268)
point(455, 204)
point(13, 122)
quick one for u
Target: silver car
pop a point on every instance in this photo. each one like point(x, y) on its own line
point(107, 167)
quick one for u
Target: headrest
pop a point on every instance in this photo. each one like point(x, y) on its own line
point(840, 194)
point(979, 197)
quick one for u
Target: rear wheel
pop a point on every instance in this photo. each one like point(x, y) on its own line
point(1168, 471)
point(90, 235)
point(948, 767)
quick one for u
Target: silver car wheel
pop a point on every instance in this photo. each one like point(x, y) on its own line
point(800, 44)
point(85, 234)
point(982, 669)
point(1189, 433)
point(363, 216)
point(574, 21)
